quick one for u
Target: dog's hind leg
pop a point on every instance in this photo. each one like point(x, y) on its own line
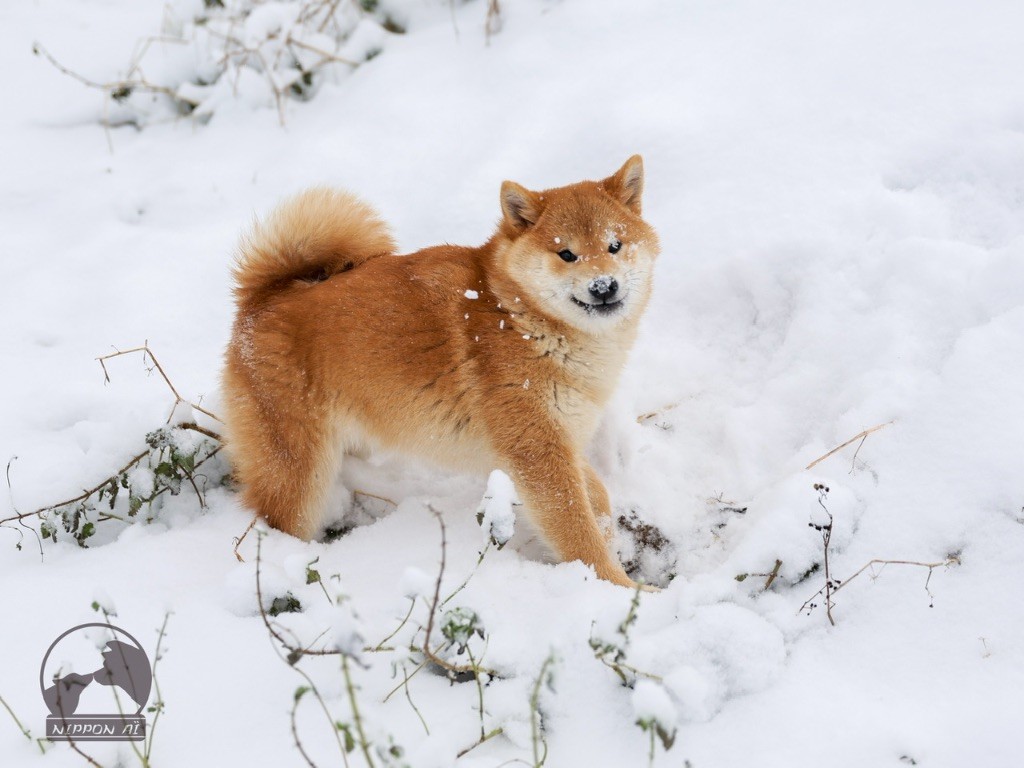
point(284, 454)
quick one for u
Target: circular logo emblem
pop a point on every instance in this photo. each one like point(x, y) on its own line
point(78, 666)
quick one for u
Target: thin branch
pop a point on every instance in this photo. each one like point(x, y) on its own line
point(951, 561)
point(83, 496)
point(115, 86)
point(380, 646)
point(145, 350)
point(320, 52)
point(855, 438)
point(481, 740)
point(408, 696)
point(295, 732)
point(159, 705)
point(350, 688)
point(772, 576)
point(21, 727)
point(651, 414)
point(294, 654)
point(452, 669)
point(240, 539)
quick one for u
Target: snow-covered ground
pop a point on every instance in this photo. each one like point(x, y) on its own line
point(839, 191)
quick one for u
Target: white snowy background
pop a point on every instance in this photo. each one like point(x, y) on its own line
point(839, 191)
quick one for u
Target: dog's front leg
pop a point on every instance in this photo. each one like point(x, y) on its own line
point(555, 483)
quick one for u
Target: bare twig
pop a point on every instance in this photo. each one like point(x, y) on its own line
point(381, 645)
point(369, 495)
point(145, 350)
point(114, 87)
point(22, 728)
point(158, 706)
point(492, 24)
point(536, 726)
point(951, 561)
point(356, 717)
point(772, 576)
point(860, 436)
point(481, 740)
point(452, 669)
point(240, 539)
point(408, 696)
point(398, 687)
point(295, 654)
point(295, 728)
point(327, 56)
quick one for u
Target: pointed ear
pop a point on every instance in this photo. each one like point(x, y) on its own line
point(627, 185)
point(520, 206)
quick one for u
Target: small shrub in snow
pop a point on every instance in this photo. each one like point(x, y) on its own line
point(286, 603)
point(259, 52)
point(171, 459)
point(459, 625)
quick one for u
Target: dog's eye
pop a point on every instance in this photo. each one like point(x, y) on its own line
point(614, 247)
point(567, 255)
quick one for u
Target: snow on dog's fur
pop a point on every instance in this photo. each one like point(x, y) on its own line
point(498, 356)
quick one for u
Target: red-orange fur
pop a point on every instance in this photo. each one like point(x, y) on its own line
point(339, 344)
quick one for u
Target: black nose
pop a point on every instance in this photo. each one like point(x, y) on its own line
point(603, 287)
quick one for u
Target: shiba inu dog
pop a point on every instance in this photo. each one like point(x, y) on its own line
point(501, 356)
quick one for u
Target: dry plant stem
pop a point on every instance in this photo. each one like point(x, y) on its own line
point(380, 646)
point(240, 539)
point(861, 436)
point(295, 654)
point(772, 576)
point(355, 711)
point(21, 727)
point(357, 492)
point(452, 669)
point(536, 734)
point(145, 350)
point(295, 734)
point(18, 518)
point(110, 87)
point(462, 586)
point(408, 696)
point(479, 690)
point(159, 706)
point(493, 21)
point(320, 52)
point(86, 757)
point(877, 561)
point(292, 649)
point(826, 536)
point(481, 740)
point(651, 414)
point(398, 687)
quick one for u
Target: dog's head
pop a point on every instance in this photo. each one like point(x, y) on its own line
point(581, 254)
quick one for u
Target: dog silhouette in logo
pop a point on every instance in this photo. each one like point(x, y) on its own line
point(124, 665)
point(128, 668)
point(62, 697)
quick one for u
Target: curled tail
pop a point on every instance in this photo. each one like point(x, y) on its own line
point(312, 236)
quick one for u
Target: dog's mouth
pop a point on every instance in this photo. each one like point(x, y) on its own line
point(600, 308)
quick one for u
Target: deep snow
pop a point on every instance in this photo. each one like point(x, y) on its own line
point(839, 193)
